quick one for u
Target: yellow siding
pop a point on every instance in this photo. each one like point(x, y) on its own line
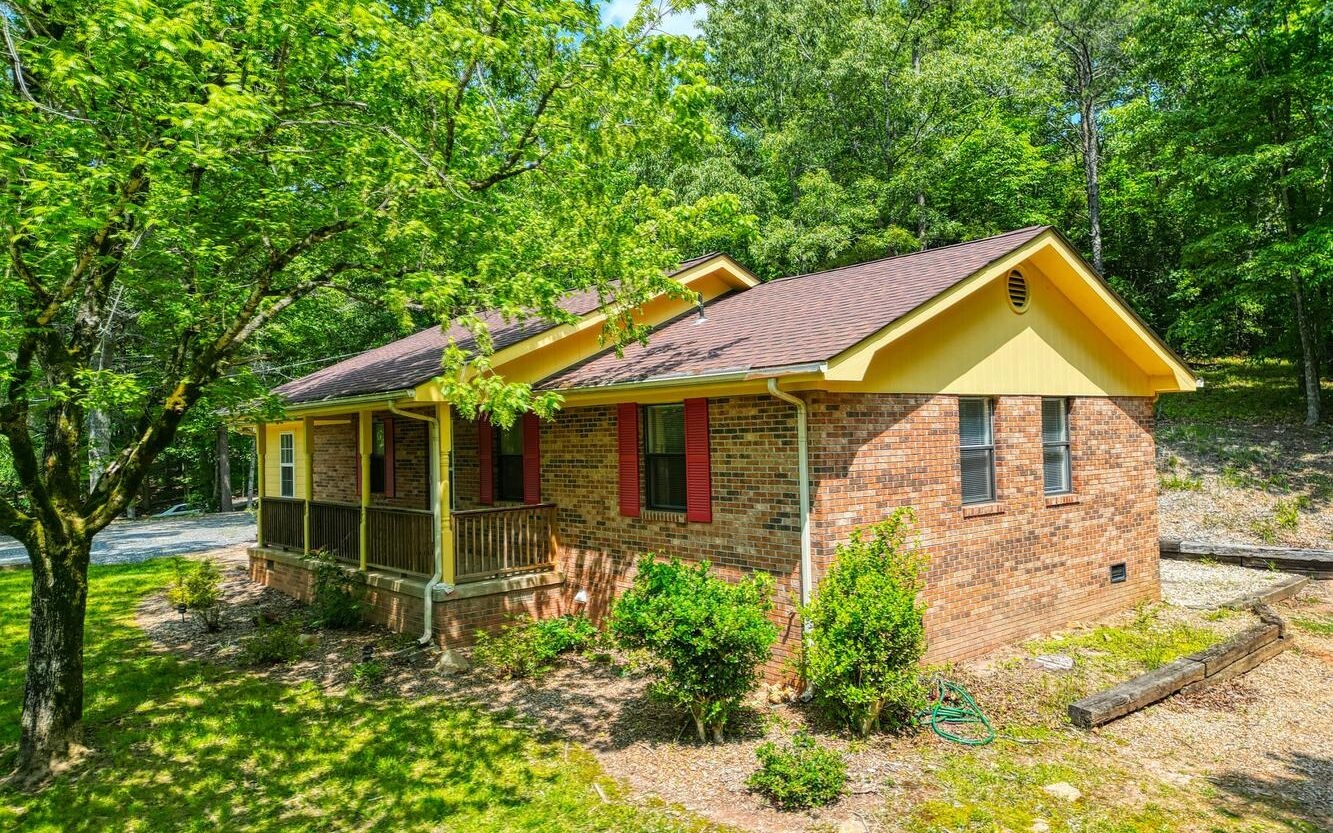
point(980, 345)
point(272, 475)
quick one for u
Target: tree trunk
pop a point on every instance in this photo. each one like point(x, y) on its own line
point(52, 721)
point(224, 470)
point(1309, 356)
point(1092, 176)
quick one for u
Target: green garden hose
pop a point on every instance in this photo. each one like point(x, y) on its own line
point(953, 706)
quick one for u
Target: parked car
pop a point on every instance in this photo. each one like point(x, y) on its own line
point(178, 509)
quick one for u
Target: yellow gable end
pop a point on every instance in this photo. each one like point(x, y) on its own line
point(981, 345)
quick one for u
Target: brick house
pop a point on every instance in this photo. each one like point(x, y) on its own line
point(999, 387)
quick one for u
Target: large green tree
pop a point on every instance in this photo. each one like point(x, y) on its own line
point(209, 165)
point(1234, 121)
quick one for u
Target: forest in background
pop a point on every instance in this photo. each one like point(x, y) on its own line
point(1186, 147)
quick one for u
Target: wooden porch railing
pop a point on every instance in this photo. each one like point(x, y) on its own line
point(497, 542)
point(283, 522)
point(400, 539)
point(336, 528)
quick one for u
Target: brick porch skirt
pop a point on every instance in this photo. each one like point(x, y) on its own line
point(395, 601)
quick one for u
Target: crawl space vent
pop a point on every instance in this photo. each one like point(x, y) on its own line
point(1118, 572)
point(1017, 288)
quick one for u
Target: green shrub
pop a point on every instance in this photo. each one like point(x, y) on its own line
point(198, 586)
point(515, 650)
point(710, 637)
point(866, 628)
point(568, 633)
point(799, 774)
point(337, 600)
point(273, 644)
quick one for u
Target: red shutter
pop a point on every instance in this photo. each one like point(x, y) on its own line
point(698, 469)
point(532, 459)
point(388, 457)
point(485, 463)
point(627, 435)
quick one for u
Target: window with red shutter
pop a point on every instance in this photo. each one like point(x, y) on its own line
point(627, 438)
point(532, 459)
point(698, 466)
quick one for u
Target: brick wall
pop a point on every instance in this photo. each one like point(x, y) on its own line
point(755, 512)
point(1022, 568)
point(335, 463)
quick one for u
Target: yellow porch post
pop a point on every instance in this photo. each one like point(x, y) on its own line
point(363, 418)
point(444, 491)
point(261, 440)
point(308, 465)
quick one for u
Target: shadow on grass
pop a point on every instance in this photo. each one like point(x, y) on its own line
point(1303, 796)
point(197, 747)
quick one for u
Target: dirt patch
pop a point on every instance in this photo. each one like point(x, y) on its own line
point(1246, 483)
point(1258, 746)
point(1204, 586)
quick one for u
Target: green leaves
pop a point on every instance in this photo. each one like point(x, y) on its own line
point(867, 633)
point(711, 636)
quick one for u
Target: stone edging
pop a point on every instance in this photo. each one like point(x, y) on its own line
point(1221, 662)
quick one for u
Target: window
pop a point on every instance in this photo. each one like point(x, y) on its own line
point(976, 449)
point(509, 462)
point(664, 456)
point(287, 464)
point(377, 456)
point(1055, 446)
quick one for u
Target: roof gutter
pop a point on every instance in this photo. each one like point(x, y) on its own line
point(428, 594)
point(360, 399)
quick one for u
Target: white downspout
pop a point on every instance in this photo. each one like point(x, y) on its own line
point(427, 596)
point(803, 472)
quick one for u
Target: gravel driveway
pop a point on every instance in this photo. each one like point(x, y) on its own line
point(124, 542)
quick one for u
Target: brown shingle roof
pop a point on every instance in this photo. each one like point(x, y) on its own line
point(793, 321)
point(410, 361)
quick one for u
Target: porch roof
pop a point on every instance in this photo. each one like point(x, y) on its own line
point(413, 360)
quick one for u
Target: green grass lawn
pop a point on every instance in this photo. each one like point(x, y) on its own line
point(184, 746)
point(1245, 390)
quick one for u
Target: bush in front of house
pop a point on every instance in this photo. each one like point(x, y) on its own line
point(800, 774)
point(526, 648)
point(337, 601)
point(272, 644)
point(711, 637)
point(866, 626)
point(198, 586)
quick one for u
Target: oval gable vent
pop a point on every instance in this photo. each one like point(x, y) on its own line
point(1017, 288)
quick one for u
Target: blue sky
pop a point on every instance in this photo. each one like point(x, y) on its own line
point(679, 23)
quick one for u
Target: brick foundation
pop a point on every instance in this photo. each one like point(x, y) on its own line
point(455, 620)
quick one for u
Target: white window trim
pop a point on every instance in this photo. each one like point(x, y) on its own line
point(284, 464)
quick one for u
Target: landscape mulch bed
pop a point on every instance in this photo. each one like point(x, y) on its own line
point(1267, 734)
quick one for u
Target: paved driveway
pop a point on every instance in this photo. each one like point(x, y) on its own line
point(124, 542)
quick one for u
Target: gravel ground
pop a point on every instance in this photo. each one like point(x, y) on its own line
point(1201, 586)
point(1251, 484)
point(1261, 741)
point(126, 542)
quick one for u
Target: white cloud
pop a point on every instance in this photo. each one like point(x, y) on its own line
point(618, 12)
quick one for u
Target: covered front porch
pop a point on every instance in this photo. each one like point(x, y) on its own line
point(375, 488)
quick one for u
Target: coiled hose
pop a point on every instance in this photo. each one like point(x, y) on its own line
point(954, 707)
